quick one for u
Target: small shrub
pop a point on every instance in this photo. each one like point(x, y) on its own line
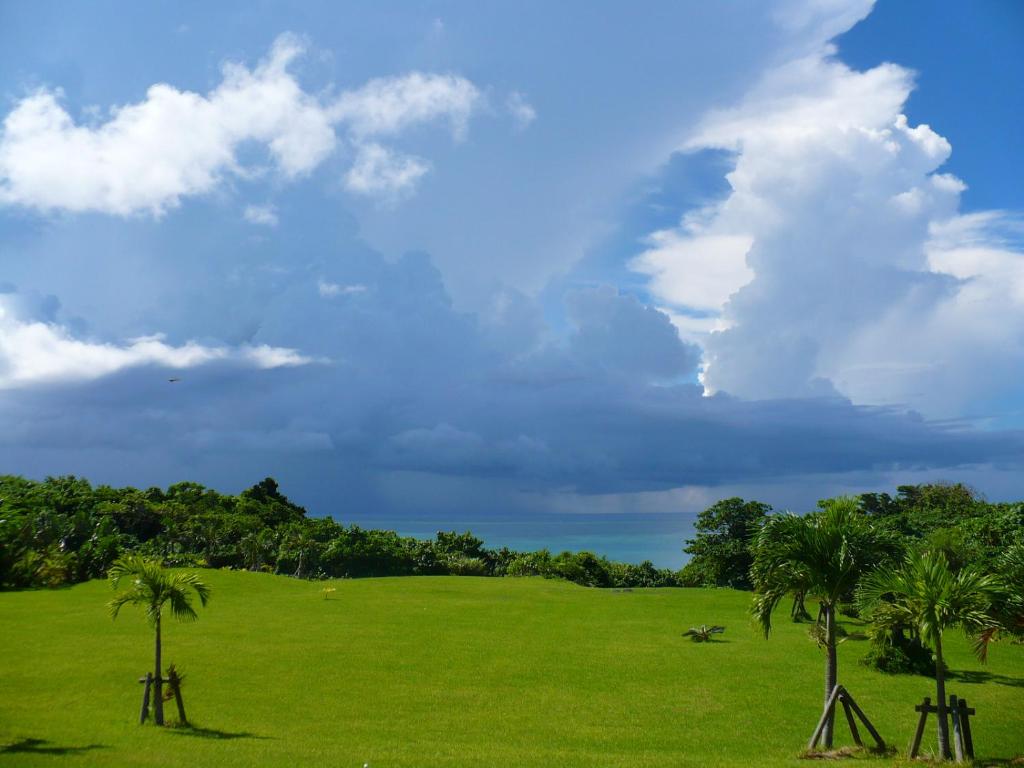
point(530, 564)
point(902, 657)
point(703, 633)
point(690, 576)
point(460, 565)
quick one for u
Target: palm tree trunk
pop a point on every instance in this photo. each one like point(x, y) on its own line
point(940, 694)
point(830, 667)
point(158, 700)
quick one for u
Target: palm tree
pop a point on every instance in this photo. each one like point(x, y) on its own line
point(926, 594)
point(1009, 606)
point(774, 536)
point(151, 587)
point(822, 556)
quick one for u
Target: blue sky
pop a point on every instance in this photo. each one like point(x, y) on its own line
point(565, 275)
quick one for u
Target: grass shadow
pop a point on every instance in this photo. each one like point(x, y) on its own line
point(214, 733)
point(979, 676)
point(841, 753)
point(45, 747)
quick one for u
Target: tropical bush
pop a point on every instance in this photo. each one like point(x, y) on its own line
point(703, 633)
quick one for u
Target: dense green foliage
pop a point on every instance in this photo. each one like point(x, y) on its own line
point(944, 517)
point(720, 553)
point(63, 530)
point(447, 672)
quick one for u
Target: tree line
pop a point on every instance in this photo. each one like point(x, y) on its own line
point(64, 530)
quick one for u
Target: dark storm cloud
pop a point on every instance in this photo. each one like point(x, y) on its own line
point(403, 382)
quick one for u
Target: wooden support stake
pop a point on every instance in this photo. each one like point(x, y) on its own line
point(825, 717)
point(849, 719)
point(867, 723)
point(145, 698)
point(923, 708)
point(175, 682)
point(965, 727)
point(958, 736)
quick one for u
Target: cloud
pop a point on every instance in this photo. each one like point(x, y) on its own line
point(173, 144)
point(694, 271)
point(38, 351)
point(838, 263)
point(498, 410)
point(381, 172)
point(264, 215)
point(615, 332)
point(520, 109)
point(274, 441)
point(820, 20)
point(328, 289)
point(388, 106)
point(150, 155)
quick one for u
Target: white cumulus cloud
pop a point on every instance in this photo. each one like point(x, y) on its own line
point(148, 156)
point(38, 351)
point(382, 172)
point(838, 262)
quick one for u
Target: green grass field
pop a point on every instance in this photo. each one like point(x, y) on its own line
point(446, 671)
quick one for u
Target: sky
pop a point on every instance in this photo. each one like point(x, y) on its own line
point(562, 274)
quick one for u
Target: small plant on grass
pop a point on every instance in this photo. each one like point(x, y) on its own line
point(153, 587)
point(703, 633)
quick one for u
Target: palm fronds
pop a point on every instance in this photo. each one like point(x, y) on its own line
point(151, 586)
point(821, 555)
point(927, 596)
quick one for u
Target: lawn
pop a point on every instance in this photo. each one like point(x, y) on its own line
point(450, 671)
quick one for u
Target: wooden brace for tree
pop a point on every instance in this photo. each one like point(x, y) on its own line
point(850, 708)
point(173, 680)
point(960, 714)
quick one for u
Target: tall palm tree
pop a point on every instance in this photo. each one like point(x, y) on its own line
point(822, 556)
point(152, 587)
point(926, 594)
